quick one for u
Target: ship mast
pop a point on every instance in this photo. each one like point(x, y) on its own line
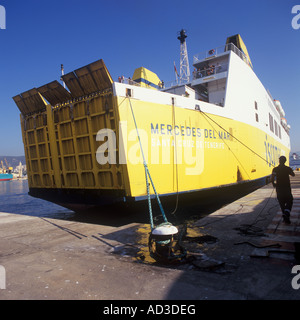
point(62, 74)
point(184, 60)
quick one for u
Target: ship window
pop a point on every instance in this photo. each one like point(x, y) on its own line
point(279, 131)
point(256, 117)
point(276, 128)
point(255, 105)
point(128, 92)
point(271, 123)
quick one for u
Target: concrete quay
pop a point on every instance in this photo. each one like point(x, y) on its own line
point(242, 251)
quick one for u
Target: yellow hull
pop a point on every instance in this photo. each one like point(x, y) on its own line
point(197, 154)
point(207, 155)
point(82, 147)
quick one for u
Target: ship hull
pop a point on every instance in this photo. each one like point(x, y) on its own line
point(188, 150)
point(80, 200)
point(6, 176)
point(84, 150)
point(186, 154)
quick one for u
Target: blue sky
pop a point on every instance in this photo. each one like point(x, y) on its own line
point(41, 35)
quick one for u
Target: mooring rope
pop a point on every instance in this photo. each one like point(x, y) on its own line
point(206, 115)
point(147, 174)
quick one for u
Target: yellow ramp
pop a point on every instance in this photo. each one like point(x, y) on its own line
point(94, 77)
point(73, 84)
point(30, 101)
point(21, 104)
point(89, 79)
point(54, 93)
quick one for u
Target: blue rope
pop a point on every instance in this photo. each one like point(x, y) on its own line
point(149, 199)
point(173, 256)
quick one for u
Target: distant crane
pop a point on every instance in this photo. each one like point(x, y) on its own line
point(8, 168)
point(184, 73)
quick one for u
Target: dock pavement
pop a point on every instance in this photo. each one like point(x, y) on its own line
point(242, 251)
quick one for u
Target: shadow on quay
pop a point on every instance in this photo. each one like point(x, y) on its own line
point(190, 206)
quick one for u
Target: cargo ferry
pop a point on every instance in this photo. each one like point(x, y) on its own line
point(89, 143)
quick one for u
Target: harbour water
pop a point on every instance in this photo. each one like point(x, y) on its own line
point(294, 164)
point(14, 198)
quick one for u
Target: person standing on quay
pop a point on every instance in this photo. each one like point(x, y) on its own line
point(281, 174)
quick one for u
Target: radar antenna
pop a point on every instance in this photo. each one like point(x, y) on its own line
point(184, 60)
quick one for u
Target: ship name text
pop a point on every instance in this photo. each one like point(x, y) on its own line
point(167, 129)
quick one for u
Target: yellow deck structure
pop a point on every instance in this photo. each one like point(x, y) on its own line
point(146, 78)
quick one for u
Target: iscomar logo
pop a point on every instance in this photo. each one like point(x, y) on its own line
point(2, 17)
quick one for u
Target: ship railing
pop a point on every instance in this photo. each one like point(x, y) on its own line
point(210, 70)
point(128, 81)
point(214, 52)
point(175, 83)
point(161, 85)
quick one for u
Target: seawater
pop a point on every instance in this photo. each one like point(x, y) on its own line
point(14, 198)
point(294, 164)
